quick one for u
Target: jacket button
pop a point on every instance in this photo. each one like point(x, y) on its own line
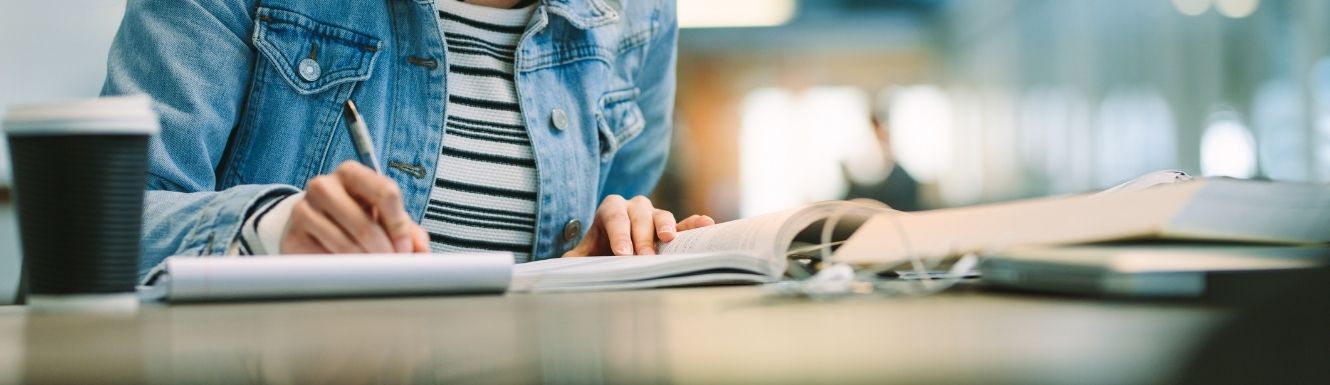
point(559, 118)
point(309, 69)
point(572, 230)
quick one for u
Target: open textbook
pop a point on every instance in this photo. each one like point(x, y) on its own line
point(1214, 209)
point(751, 250)
point(755, 250)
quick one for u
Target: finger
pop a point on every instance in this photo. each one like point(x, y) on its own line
point(640, 213)
point(300, 243)
point(306, 244)
point(420, 244)
point(581, 250)
point(613, 215)
point(664, 225)
point(318, 227)
point(381, 193)
point(695, 221)
point(593, 240)
point(328, 195)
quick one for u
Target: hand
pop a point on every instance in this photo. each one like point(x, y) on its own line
point(352, 210)
point(628, 227)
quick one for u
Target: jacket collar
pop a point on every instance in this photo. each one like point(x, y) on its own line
point(583, 14)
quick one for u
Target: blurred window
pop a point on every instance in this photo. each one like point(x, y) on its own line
point(1227, 147)
point(999, 137)
point(1237, 9)
point(1320, 86)
point(1055, 133)
point(735, 13)
point(1192, 7)
point(793, 145)
point(1278, 117)
point(1136, 135)
point(921, 131)
point(963, 184)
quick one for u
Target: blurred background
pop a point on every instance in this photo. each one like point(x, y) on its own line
point(974, 100)
point(989, 100)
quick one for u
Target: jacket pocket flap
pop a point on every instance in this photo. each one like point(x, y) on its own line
point(310, 55)
point(620, 120)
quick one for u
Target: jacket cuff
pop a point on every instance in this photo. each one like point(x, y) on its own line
point(218, 225)
point(263, 229)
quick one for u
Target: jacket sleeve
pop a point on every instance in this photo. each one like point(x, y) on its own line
point(195, 59)
point(637, 165)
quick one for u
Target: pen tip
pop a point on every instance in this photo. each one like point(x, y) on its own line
point(349, 112)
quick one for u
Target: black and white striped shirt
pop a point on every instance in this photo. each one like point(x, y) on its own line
point(484, 197)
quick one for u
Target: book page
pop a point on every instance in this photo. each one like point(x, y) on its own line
point(757, 235)
point(894, 238)
point(1242, 210)
point(610, 272)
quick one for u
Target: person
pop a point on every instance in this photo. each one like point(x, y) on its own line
point(898, 188)
point(510, 125)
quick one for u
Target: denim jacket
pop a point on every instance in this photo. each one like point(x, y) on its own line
point(250, 95)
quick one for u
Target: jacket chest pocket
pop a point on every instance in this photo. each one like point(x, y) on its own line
point(312, 56)
point(305, 69)
point(619, 120)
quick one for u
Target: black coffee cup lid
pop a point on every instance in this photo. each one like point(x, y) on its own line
point(118, 115)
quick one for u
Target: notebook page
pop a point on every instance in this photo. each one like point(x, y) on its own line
point(303, 276)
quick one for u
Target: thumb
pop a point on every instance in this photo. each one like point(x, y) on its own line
point(588, 244)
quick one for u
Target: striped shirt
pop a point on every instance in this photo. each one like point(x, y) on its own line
point(484, 197)
point(485, 192)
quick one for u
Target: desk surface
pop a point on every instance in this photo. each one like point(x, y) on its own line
point(700, 335)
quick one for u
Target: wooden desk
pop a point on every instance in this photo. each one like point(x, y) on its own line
point(701, 335)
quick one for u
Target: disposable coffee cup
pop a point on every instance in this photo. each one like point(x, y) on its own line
point(79, 169)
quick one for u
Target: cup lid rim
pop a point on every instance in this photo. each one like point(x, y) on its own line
point(132, 114)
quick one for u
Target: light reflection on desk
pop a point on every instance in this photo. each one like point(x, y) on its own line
point(712, 335)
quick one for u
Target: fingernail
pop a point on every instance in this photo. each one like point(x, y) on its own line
point(623, 248)
point(404, 245)
point(665, 229)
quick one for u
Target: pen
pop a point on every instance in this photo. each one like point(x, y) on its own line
point(355, 125)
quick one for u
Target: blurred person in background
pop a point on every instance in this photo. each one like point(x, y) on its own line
point(897, 188)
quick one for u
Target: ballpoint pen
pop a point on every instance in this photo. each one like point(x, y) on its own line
point(355, 126)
